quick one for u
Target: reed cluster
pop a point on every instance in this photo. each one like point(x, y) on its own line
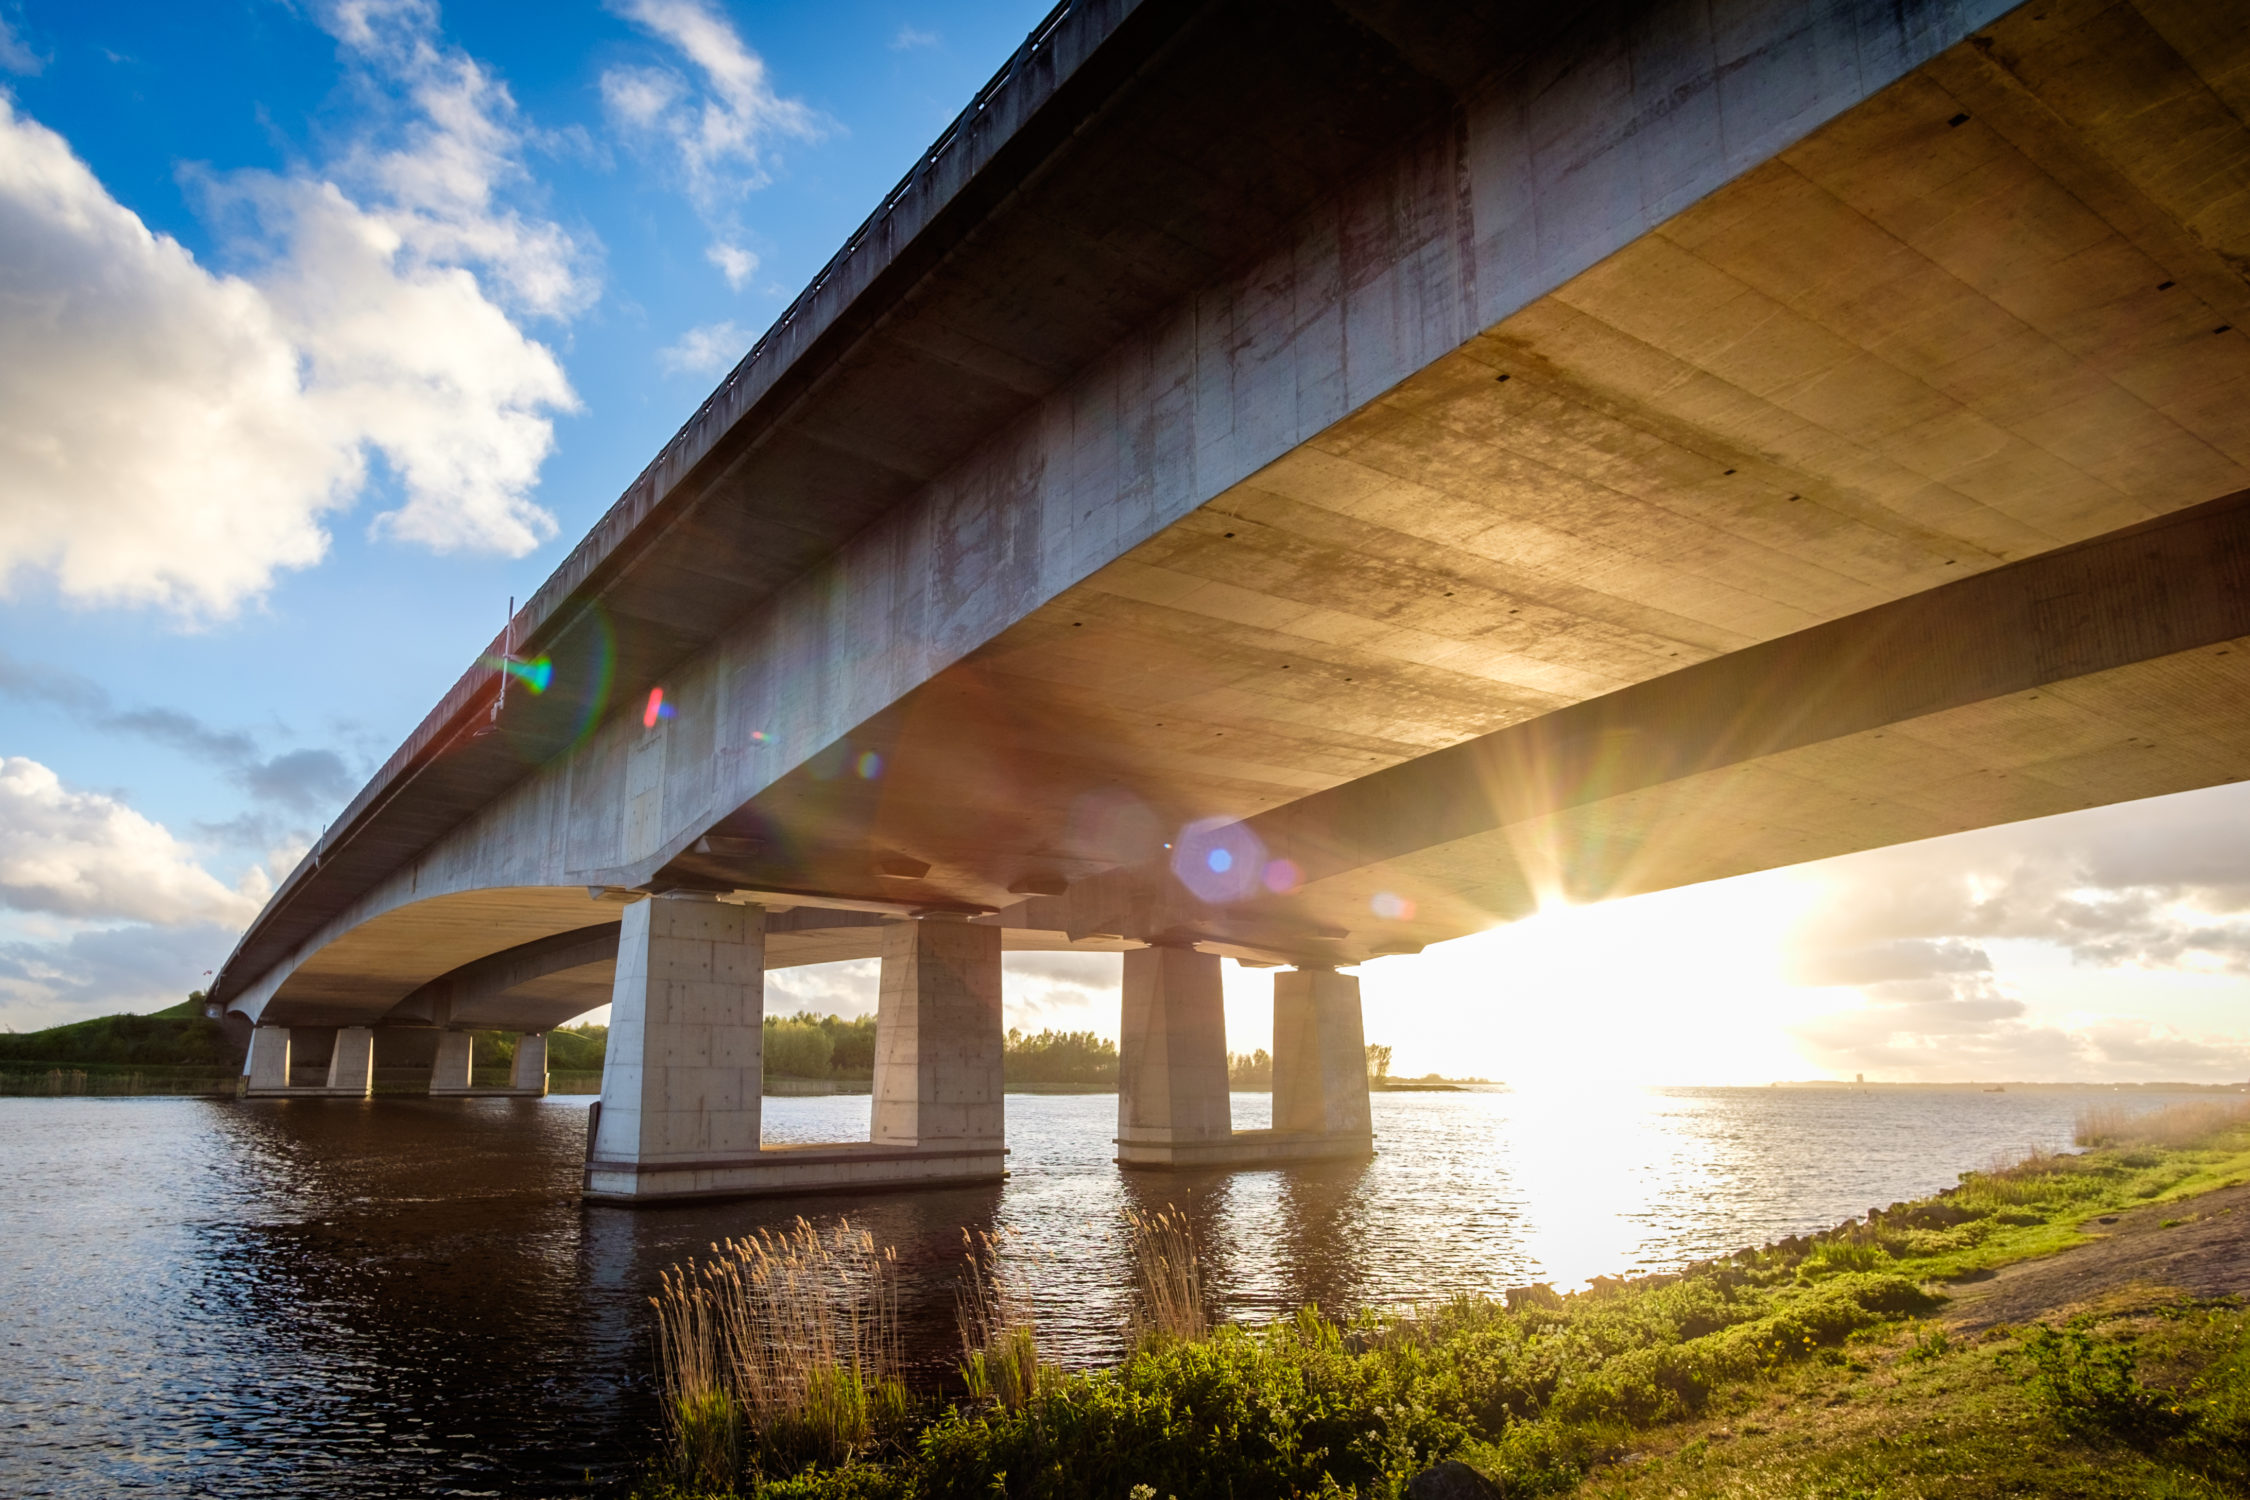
point(1167, 1280)
point(999, 1333)
point(780, 1350)
point(2172, 1127)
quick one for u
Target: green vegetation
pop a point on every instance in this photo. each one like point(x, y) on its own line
point(178, 1037)
point(810, 1046)
point(575, 1049)
point(1066, 1059)
point(1806, 1368)
point(1250, 1072)
point(177, 1050)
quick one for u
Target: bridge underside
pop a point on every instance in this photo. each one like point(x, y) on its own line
point(1994, 311)
point(1898, 487)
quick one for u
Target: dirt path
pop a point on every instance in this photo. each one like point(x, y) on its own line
point(2206, 1253)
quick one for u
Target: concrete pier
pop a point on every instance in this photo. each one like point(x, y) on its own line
point(528, 1076)
point(456, 1051)
point(351, 1066)
point(266, 1070)
point(1320, 1062)
point(1173, 1106)
point(1172, 1097)
point(681, 1084)
point(453, 1074)
point(682, 1078)
point(939, 1039)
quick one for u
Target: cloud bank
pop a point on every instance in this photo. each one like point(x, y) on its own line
point(80, 854)
point(718, 121)
point(174, 436)
point(2154, 887)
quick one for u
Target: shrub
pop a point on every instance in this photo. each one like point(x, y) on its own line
point(2087, 1382)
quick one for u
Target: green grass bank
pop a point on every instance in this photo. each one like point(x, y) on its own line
point(1831, 1365)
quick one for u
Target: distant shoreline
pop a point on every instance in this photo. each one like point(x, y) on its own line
point(2012, 1086)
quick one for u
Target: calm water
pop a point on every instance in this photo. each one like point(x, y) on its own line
point(400, 1297)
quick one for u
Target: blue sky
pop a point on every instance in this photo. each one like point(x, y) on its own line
point(329, 327)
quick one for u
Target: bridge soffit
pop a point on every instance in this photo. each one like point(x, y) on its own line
point(1535, 183)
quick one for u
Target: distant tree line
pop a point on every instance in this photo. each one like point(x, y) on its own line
point(810, 1046)
point(1077, 1058)
point(796, 1046)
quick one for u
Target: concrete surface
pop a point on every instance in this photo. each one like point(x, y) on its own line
point(939, 1037)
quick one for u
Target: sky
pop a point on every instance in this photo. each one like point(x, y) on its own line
point(328, 328)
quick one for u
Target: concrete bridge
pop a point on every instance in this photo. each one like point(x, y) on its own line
point(1302, 481)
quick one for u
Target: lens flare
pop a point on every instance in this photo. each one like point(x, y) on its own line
point(870, 766)
point(1392, 907)
point(1113, 825)
point(1219, 859)
point(535, 674)
point(657, 709)
point(1283, 878)
point(589, 652)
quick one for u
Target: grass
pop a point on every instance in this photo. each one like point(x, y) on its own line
point(180, 1036)
point(1000, 1360)
point(778, 1353)
point(1811, 1367)
point(1167, 1280)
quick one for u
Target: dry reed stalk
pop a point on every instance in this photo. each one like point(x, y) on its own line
point(2175, 1125)
point(1167, 1280)
point(701, 1421)
point(999, 1332)
point(797, 1335)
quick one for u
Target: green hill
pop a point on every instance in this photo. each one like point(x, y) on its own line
point(179, 1037)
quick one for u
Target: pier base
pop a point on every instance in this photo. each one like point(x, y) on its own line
point(452, 1073)
point(939, 1040)
point(528, 1076)
point(1172, 1094)
point(1173, 1109)
point(680, 1110)
point(1320, 1060)
point(265, 1071)
point(351, 1066)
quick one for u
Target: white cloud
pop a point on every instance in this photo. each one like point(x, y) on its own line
point(735, 263)
point(909, 38)
point(438, 186)
point(105, 970)
point(15, 57)
point(173, 436)
point(2152, 888)
point(721, 131)
point(1062, 991)
point(83, 855)
point(704, 351)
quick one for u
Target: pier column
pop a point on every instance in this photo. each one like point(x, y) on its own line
point(684, 1070)
point(351, 1066)
point(939, 1039)
point(266, 1069)
point(529, 1075)
point(456, 1053)
point(1172, 1059)
point(1319, 1054)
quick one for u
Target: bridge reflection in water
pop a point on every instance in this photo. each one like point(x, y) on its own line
point(406, 1297)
